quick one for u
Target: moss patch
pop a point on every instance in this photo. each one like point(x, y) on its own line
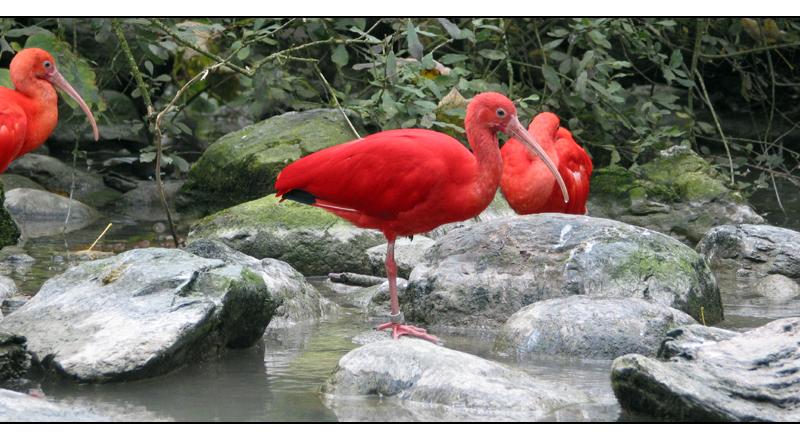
point(9, 232)
point(270, 211)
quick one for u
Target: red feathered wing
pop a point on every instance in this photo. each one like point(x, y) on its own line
point(13, 124)
point(381, 175)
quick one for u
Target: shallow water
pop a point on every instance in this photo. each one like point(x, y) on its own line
point(279, 379)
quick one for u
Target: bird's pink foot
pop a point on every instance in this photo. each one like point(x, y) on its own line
point(408, 330)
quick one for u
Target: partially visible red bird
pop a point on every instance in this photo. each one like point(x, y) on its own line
point(528, 185)
point(29, 113)
point(410, 181)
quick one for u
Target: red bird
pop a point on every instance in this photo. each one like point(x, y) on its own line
point(527, 184)
point(29, 113)
point(410, 181)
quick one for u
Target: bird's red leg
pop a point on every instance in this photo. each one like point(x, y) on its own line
point(396, 323)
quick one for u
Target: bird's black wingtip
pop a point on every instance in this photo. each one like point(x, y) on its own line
point(300, 196)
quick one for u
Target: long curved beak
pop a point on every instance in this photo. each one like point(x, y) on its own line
point(515, 129)
point(60, 83)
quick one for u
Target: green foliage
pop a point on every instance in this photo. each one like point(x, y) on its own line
point(625, 87)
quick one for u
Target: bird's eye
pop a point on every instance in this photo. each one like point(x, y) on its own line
point(501, 113)
point(47, 64)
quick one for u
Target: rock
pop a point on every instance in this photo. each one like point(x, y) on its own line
point(417, 372)
point(685, 341)
point(243, 165)
point(310, 239)
point(12, 304)
point(677, 193)
point(297, 300)
point(480, 275)
point(407, 253)
point(41, 213)
point(8, 288)
point(14, 359)
point(141, 313)
point(598, 328)
point(374, 300)
point(743, 255)
point(750, 377)
point(23, 408)
point(144, 202)
point(354, 279)
point(777, 288)
point(14, 261)
point(56, 176)
point(13, 181)
point(9, 231)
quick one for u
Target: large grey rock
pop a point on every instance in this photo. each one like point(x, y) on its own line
point(42, 213)
point(297, 300)
point(12, 181)
point(480, 275)
point(19, 407)
point(243, 165)
point(741, 256)
point(312, 240)
point(427, 378)
point(56, 176)
point(14, 359)
point(141, 313)
point(677, 193)
point(599, 328)
point(407, 253)
point(751, 377)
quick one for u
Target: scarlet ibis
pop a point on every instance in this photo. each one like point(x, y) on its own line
point(410, 181)
point(29, 113)
point(526, 182)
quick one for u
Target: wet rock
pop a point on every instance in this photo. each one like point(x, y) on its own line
point(141, 313)
point(56, 176)
point(9, 231)
point(19, 407)
point(312, 240)
point(685, 341)
point(8, 288)
point(750, 377)
point(243, 165)
point(374, 300)
point(297, 300)
point(12, 304)
point(417, 373)
point(598, 328)
point(144, 202)
point(14, 359)
point(42, 213)
point(355, 279)
point(480, 275)
point(12, 181)
point(407, 253)
point(677, 193)
point(760, 258)
point(119, 182)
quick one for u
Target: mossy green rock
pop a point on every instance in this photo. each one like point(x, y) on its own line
point(243, 165)
point(678, 193)
point(310, 239)
point(9, 232)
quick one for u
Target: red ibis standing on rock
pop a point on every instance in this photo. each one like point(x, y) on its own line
point(410, 181)
point(29, 113)
point(526, 183)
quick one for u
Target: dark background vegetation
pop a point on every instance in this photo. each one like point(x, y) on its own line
point(626, 87)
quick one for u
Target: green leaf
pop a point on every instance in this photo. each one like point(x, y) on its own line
point(244, 53)
point(415, 48)
point(553, 44)
point(599, 39)
point(340, 56)
point(450, 27)
point(452, 58)
point(391, 65)
point(5, 79)
point(580, 83)
point(551, 78)
point(676, 59)
point(492, 54)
